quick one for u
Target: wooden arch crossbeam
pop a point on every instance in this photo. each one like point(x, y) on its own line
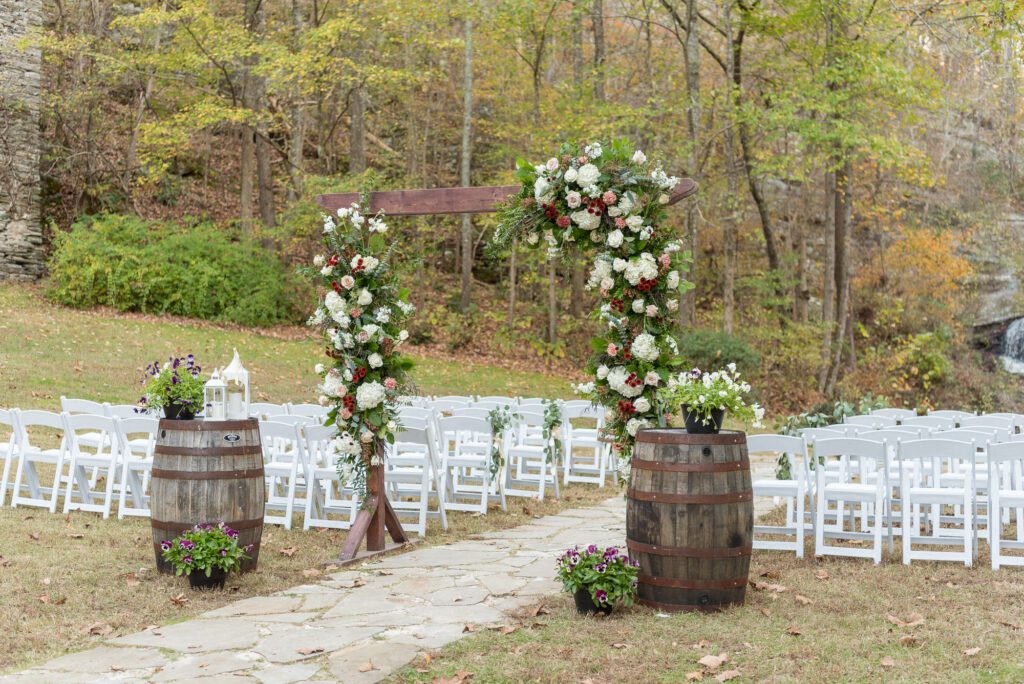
point(377, 515)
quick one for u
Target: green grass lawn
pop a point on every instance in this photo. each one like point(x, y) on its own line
point(47, 351)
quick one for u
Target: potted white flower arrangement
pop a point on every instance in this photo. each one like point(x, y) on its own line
point(703, 399)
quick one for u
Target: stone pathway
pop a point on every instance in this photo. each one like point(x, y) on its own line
point(355, 626)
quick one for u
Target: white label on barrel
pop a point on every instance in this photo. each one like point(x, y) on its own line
point(232, 437)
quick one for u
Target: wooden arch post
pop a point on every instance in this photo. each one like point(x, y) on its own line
point(377, 515)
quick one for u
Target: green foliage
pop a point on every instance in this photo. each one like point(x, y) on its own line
point(713, 349)
point(608, 575)
point(178, 381)
point(920, 364)
point(203, 271)
point(204, 548)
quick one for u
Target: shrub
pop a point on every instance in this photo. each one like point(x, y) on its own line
point(710, 349)
point(920, 364)
point(202, 271)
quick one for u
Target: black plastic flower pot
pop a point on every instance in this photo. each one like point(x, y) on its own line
point(585, 604)
point(696, 426)
point(198, 580)
point(176, 411)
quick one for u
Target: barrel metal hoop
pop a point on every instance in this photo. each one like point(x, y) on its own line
point(670, 467)
point(237, 525)
point(673, 583)
point(208, 425)
point(679, 436)
point(677, 608)
point(690, 552)
point(247, 450)
point(658, 497)
point(162, 474)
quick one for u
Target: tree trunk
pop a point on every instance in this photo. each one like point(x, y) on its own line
point(732, 204)
point(597, 18)
point(467, 250)
point(844, 214)
point(576, 283)
point(357, 131)
point(691, 55)
point(801, 295)
point(512, 285)
point(297, 137)
point(552, 301)
point(246, 173)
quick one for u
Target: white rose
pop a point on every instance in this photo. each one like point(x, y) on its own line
point(602, 372)
point(638, 305)
point(365, 298)
point(403, 335)
point(652, 379)
point(639, 157)
point(663, 199)
point(617, 381)
point(672, 280)
point(652, 311)
point(615, 239)
point(585, 220)
point(366, 437)
point(570, 175)
point(619, 265)
point(532, 238)
point(573, 199)
point(614, 211)
point(672, 305)
point(327, 270)
point(607, 283)
point(641, 405)
point(552, 164)
point(318, 369)
point(587, 175)
point(635, 222)
point(318, 260)
point(375, 360)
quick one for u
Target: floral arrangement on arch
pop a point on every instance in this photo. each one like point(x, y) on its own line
point(360, 315)
point(612, 198)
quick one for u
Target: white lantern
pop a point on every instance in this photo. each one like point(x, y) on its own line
point(215, 397)
point(237, 379)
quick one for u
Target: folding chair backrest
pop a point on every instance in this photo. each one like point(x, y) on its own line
point(456, 397)
point(124, 411)
point(459, 428)
point(989, 421)
point(415, 412)
point(850, 446)
point(261, 410)
point(933, 422)
point(8, 422)
point(775, 444)
point(319, 442)
point(982, 434)
point(473, 412)
point(955, 415)
point(311, 410)
point(448, 405)
point(529, 417)
point(502, 401)
point(82, 406)
point(830, 432)
point(872, 421)
point(937, 449)
point(897, 413)
point(577, 404)
point(139, 425)
point(533, 401)
point(31, 420)
point(81, 422)
point(289, 419)
point(892, 435)
point(1006, 451)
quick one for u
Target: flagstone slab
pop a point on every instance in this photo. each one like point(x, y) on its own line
point(190, 667)
point(214, 634)
point(258, 605)
point(309, 642)
point(370, 662)
point(108, 659)
point(288, 674)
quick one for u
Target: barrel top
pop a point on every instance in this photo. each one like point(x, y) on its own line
point(203, 425)
point(681, 436)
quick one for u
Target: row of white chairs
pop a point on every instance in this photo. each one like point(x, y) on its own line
point(931, 484)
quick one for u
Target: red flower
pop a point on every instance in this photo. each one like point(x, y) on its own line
point(563, 221)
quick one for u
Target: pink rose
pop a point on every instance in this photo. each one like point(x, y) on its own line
point(348, 282)
point(390, 383)
point(345, 414)
point(608, 197)
point(620, 222)
point(612, 349)
point(665, 260)
point(355, 313)
point(363, 336)
point(563, 221)
point(583, 159)
point(552, 164)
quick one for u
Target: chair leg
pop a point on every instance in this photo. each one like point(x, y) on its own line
point(800, 523)
point(819, 527)
point(879, 524)
point(908, 531)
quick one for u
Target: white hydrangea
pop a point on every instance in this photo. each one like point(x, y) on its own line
point(375, 360)
point(643, 267)
point(405, 307)
point(645, 347)
point(602, 269)
point(347, 444)
point(328, 225)
point(619, 265)
point(642, 405)
point(317, 318)
point(319, 260)
point(382, 315)
point(593, 150)
point(635, 424)
point(369, 263)
point(663, 180)
point(377, 225)
point(333, 385)
point(672, 280)
point(371, 329)
point(584, 388)
point(626, 203)
point(587, 175)
point(635, 222)
point(369, 395)
point(365, 298)
point(617, 381)
point(318, 369)
point(585, 220)
point(335, 303)
point(615, 239)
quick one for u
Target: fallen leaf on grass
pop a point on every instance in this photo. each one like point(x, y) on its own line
point(913, 620)
point(507, 629)
point(703, 643)
point(793, 630)
point(46, 581)
point(34, 536)
point(468, 628)
point(1011, 625)
point(766, 586)
point(99, 629)
point(727, 675)
point(460, 677)
point(311, 572)
point(289, 551)
point(620, 645)
point(803, 600)
point(541, 610)
point(179, 600)
point(821, 574)
point(695, 676)
point(76, 535)
point(308, 651)
point(888, 662)
point(4, 562)
point(43, 599)
point(765, 612)
point(909, 641)
point(972, 651)
point(713, 662)
point(367, 667)
point(771, 574)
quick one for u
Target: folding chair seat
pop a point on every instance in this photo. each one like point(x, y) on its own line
point(413, 475)
point(468, 478)
point(101, 456)
point(922, 486)
point(31, 424)
point(9, 446)
point(527, 457)
point(871, 496)
point(592, 465)
point(330, 501)
point(137, 438)
point(1006, 497)
point(283, 461)
point(794, 491)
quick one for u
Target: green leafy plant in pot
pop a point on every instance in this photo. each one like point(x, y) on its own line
point(176, 387)
point(598, 578)
point(206, 554)
point(703, 399)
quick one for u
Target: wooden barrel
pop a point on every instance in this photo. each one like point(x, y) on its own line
point(207, 471)
point(690, 518)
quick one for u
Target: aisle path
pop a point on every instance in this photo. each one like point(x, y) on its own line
point(356, 626)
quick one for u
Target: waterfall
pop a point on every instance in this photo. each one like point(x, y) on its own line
point(1013, 347)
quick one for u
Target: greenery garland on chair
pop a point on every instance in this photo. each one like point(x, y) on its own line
point(609, 196)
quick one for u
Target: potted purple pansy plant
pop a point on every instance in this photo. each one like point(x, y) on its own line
point(598, 578)
point(206, 553)
point(176, 386)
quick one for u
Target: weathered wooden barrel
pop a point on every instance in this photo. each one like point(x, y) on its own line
point(690, 518)
point(207, 471)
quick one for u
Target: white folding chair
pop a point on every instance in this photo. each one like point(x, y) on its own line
point(871, 496)
point(934, 423)
point(314, 411)
point(137, 438)
point(1005, 493)
point(897, 413)
point(30, 424)
point(468, 465)
point(124, 411)
point(921, 485)
point(9, 446)
point(875, 422)
point(413, 474)
point(955, 416)
point(473, 412)
point(501, 401)
point(833, 431)
point(592, 465)
point(283, 461)
point(330, 501)
point(448, 405)
point(261, 410)
point(527, 457)
point(102, 458)
point(289, 419)
point(794, 491)
point(1006, 422)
